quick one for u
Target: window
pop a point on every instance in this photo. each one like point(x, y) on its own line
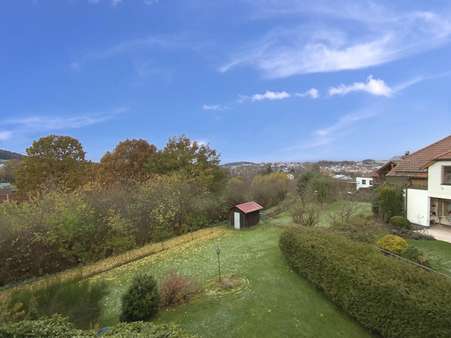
point(446, 176)
point(363, 182)
point(370, 182)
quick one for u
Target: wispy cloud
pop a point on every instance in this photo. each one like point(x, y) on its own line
point(5, 135)
point(372, 86)
point(381, 36)
point(216, 107)
point(312, 93)
point(116, 3)
point(327, 135)
point(40, 123)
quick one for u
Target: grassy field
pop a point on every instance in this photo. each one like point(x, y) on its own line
point(272, 302)
point(438, 252)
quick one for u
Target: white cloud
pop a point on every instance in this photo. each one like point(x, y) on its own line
point(5, 135)
point(372, 86)
point(270, 95)
point(217, 107)
point(372, 36)
point(312, 93)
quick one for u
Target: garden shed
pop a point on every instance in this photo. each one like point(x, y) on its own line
point(245, 214)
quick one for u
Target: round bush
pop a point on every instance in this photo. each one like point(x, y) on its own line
point(401, 222)
point(141, 301)
point(393, 244)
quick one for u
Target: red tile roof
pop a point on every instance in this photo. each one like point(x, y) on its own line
point(249, 207)
point(415, 164)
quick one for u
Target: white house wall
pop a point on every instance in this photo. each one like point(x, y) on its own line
point(435, 187)
point(418, 206)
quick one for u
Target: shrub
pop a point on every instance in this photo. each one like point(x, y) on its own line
point(305, 215)
point(59, 327)
point(400, 222)
point(56, 326)
point(79, 301)
point(361, 229)
point(177, 289)
point(386, 295)
point(388, 202)
point(393, 244)
point(144, 330)
point(142, 299)
point(415, 255)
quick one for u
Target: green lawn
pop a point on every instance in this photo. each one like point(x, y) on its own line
point(274, 302)
point(438, 252)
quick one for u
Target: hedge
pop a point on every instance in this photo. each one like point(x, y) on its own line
point(60, 327)
point(387, 296)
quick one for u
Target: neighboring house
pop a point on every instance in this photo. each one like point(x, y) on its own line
point(245, 214)
point(363, 182)
point(379, 175)
point(426, 177)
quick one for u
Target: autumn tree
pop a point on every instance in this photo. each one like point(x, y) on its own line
point(127, 162)
point(52, 161)
point(191, 159)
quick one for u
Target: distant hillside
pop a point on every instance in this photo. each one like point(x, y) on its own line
point(235, 164)
point(9, 155)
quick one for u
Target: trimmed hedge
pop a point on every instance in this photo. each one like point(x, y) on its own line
point(386, 295)
point(60, 327)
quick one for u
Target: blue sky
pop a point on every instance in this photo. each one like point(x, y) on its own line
point(259, 80)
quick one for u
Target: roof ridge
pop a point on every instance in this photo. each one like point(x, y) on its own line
point(428, 146)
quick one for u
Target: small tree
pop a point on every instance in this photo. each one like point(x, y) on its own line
point(142, 300)
point(305, 214)
point(389, 202)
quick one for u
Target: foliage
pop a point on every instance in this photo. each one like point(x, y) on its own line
point(386, 295)
point(270, 189)
point(60, 230)
point(315, 187)
point(393, 244)
point(144, 330)
point(400, 222)
point(305, 214)
point(344, 213)
point(236, 191)
point(414, 254)
point(361, 229)
point(57, 161)
point(388, 202)
point(177, 289)
point(59, 327)
point(77, 300)
point(9, 170)
point(190, 159)
point(142, 299)
point(127, 162)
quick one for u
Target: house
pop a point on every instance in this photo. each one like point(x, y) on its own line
point(380, 174)
point(245, 214)
point(426, 178)
point(363, 182)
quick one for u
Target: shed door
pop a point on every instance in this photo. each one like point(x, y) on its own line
point(236, 220)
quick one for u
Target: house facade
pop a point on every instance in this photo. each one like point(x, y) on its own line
point(363, 182)
point(425, 176)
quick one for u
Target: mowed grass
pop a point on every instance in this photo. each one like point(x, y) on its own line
point(274, 301)
point(438, 253)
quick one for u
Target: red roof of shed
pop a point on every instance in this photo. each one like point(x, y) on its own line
point(249, 207)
